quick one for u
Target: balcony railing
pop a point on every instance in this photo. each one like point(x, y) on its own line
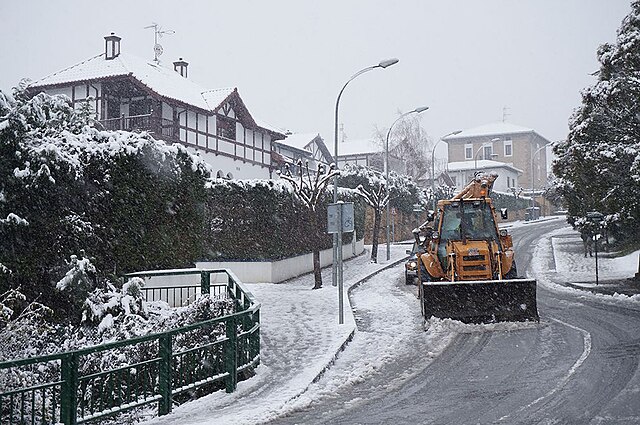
point(160, 127)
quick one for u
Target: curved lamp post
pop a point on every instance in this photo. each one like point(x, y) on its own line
point(383, 64)
point(475, 157)
point(386, 169)
point(533, 199)
point(433, 161)
point(337, 237)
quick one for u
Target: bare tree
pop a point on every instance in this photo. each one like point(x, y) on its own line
point(309, 188)
point(372, 186)
point(410, 142)
point(377, 197)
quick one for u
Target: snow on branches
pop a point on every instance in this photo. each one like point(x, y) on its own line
point(309, 186)
point(598, 166)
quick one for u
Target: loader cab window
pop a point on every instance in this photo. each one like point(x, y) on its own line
point(468, 221)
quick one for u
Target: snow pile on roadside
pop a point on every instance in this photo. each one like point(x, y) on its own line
point(573, 267)
point(390, 333)
point(300, 335)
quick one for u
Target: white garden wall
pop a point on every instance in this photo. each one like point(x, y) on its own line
point(279, 271)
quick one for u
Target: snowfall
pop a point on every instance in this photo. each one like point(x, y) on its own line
point(307, 355)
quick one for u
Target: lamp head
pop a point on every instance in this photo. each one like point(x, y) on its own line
point(388, 62)
point(421, 109)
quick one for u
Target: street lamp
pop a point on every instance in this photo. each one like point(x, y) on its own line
point(475, 157)
point(433, 168)
point(386, 169)
point(337, 237)
point(533, 201)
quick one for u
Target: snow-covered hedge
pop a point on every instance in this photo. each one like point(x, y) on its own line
point(66, 188)
point(125, 201)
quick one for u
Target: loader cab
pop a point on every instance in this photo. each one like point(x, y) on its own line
point(465, 220)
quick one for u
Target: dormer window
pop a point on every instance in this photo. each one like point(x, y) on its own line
point(112, 46)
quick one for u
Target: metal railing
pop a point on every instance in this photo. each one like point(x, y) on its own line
point(208, 356)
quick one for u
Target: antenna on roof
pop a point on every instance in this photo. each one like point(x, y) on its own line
point(158, 32)
point(342, 133)
point(504, 113)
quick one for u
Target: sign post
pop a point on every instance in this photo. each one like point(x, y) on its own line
point(339, 221)
point(596, 218)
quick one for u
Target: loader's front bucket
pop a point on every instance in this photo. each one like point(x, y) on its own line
point(481, 301)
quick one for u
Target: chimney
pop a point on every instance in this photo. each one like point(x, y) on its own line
point(180, 66)
point(111, 46)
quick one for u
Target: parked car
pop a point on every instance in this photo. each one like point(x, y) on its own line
point(411, 265)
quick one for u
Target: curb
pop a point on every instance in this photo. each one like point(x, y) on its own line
point(349, 337)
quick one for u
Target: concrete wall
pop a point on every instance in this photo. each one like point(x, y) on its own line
point(279, 271)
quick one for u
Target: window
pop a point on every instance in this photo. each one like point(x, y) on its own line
point(468, 151)
point(508, 147)
point(226, 128)
point(487, 151)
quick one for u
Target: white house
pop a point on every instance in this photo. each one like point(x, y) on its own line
point(308, 147)
point(130, 93)
point(369, 153)
point(461, 173)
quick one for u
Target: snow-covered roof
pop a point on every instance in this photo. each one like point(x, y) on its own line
point(483, 164)
point(164, 81)
point(299, 140)
point(355, 147)
point(491, 129)
point(263, 124)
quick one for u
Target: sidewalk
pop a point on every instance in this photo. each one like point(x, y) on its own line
point(300, 339)
point(574, 270)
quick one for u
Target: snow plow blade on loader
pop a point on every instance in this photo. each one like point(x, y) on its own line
point(482, 301)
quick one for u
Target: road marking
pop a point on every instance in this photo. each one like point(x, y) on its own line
point(586, 338)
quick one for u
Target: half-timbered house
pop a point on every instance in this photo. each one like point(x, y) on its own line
point(130, 93)
point(306, 147)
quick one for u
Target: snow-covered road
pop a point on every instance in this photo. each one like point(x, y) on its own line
point(395, 372)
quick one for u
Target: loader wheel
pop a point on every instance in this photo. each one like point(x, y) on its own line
point(424, 274)
point(513, 273)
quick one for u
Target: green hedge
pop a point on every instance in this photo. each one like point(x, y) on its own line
point(263, 220)
point(128, 202)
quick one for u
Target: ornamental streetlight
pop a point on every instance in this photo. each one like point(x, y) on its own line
point(484, 145)
point(433, 167)
point(386, 170)
point(337, 237)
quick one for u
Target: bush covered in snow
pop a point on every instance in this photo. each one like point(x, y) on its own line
point(112, 315)
point(128, 201)
point(598, 166)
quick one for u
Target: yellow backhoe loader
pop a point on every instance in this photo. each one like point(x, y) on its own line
point(468, 271)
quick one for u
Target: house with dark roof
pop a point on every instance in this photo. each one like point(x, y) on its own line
point(130, 93)
point(369, 153)
point(306, 147)
point(520, 147)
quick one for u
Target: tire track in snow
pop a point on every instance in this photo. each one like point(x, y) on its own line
point(586, 337)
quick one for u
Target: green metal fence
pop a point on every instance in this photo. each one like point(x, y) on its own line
point(222, 349)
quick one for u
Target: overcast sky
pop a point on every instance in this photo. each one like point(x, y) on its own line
point(466, 60)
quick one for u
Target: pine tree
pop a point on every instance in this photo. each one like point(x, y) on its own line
point(599, 163)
